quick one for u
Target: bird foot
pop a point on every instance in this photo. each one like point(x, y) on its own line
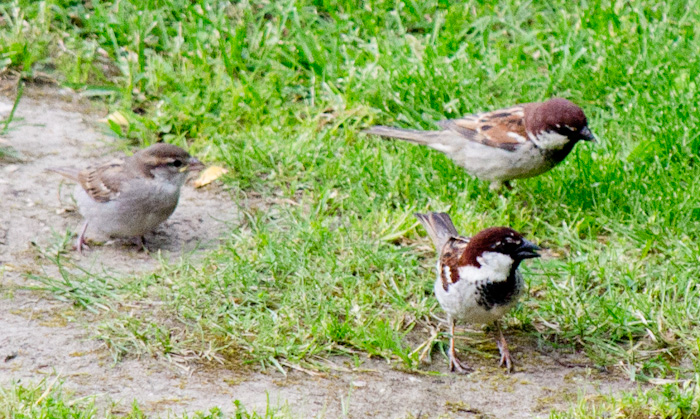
point(80, 244)
point(496, 185)
point(458, 366)
point(141, 244)
point(505, 355)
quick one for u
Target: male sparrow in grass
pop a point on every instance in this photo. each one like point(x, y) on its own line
point(477, 278)
point(513, 143)
point(130, 198)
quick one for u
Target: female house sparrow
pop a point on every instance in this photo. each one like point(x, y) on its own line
point(478, 279)
point(513, 143)
point(130, 198)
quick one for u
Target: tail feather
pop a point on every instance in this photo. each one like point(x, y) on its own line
point(415, 136)
point(67, 172)
point(439, 227)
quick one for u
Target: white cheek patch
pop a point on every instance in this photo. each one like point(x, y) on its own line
point(495, 267)
point(550, 140)
point(472, 274)
point(498, 263)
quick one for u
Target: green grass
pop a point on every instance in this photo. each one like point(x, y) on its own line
point(278, 91)
point(42, 400)
point(673, 400)
point(48, 399)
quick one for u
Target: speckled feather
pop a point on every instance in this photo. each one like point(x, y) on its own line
point(461, 259)
point(504, 128)
point(104, 183)
point(131, 197)
point(512, 143)
point(477, 278)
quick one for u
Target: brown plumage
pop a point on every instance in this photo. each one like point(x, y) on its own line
point(131, 197)
point(513, 143)
point(477, 278)
point(104, 183)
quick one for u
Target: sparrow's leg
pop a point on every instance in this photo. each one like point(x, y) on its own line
point(80, 243)
point(455, 364)
point(496, 185)
point(503, 349)
point(141, 243)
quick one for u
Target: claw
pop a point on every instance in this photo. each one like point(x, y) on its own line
point(458, 366)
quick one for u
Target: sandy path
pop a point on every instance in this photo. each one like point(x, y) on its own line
point(41, 337)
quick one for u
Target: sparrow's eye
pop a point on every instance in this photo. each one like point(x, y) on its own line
point(177, 163)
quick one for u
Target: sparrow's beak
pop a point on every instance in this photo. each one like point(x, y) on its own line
point(587, 135)
point(193, 165)
point(528, 250)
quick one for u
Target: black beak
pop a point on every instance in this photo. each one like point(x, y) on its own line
point(194, 165)
point(587, 135)
point(528, 250)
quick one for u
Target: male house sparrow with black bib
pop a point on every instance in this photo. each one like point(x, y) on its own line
point(518, 142)
point(478, 280)
point(130, 198)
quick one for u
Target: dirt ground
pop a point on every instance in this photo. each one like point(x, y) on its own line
point(58, 128)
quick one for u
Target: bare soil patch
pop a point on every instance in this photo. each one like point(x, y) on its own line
point(41, 337)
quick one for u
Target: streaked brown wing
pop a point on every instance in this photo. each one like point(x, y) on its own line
point(449, 260)
point(103, 183)
point(504, 128)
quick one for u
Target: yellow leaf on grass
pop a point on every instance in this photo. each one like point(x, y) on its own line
point(209, 175)
point(116, 117)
